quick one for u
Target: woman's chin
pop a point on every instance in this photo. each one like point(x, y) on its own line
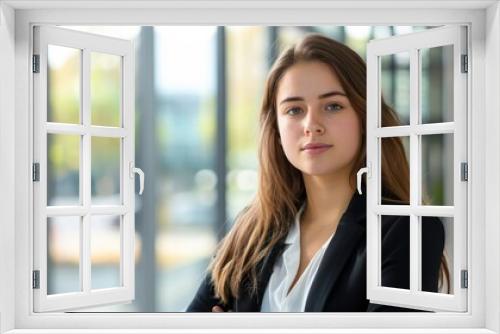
point(319, 172)
point(324, 171)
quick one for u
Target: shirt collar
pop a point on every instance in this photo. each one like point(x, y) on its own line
point(293, 234)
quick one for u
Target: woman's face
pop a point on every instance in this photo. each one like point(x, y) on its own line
point(319, 129)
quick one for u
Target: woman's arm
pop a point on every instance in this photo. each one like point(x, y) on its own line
point(396, 257)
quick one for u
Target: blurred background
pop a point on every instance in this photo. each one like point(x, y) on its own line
point(198, 95)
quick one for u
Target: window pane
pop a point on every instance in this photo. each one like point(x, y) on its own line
point(395, 254)
point(437, 169)
point(435, 274)
point(436, 87)
point(185, 132)
point(395, 170)
point(63, 84)
point(395, 85)
point(105, 251)
point(246, 65)
point(63, 260)
point(63, 169)
point(105, 89)
point(106, 158)
point(182, 261)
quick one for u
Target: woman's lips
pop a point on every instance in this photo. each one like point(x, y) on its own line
point(316, 148)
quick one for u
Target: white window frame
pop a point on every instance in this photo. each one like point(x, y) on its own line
point(16, 134)
point(87, 44)
point(411, 44)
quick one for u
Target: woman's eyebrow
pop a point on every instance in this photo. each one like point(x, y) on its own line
point(322, 96)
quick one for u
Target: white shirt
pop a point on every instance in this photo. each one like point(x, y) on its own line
point(285, 269)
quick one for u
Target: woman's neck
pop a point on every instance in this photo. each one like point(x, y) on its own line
point(327, 199)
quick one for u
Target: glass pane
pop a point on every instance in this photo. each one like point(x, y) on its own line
point(395, 170)
point(436, 90)
point(395, 86)
point(63, 255)
point(395, 252)
point(105, 88)
point(437, 169)
point(63, 169)
point(106, 170)
point(247, 66)
point(63, 84)
point(105, 251)
point(435, 271)
point(185, 193)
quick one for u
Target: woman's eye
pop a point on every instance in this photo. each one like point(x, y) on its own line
point(293, 111)
point(333, 107)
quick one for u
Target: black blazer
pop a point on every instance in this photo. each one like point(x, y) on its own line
point(340, 282)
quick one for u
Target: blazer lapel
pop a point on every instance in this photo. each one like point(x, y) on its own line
point(247, 303)
point(348, 233)
point(343, 243)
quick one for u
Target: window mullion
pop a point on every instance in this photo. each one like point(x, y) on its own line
point(85, 263)
point(415, 157)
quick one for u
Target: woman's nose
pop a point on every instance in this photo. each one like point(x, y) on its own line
point(313, 126)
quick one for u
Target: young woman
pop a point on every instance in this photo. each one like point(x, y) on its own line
point(301, 244)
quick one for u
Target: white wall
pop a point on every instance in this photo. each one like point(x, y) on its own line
point(6, 167)
point(492, 148)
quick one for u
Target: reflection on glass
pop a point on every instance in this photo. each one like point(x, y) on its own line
point(437, 169)
point(434, 275)
point(400, 177)
point(105, 175)
point(436, 86)
point(63, 255)
point(105, 88)
point(397, 255)
point(247, 67)
point(395, 84)
point(63, 166)
point(63, 84)
point(105, 251)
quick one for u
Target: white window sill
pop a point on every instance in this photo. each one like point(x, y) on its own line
point(252, 331)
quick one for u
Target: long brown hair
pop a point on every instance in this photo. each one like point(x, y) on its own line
point(280, 191)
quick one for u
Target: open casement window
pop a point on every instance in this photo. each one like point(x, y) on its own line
point(83, 169)
point(430, 99)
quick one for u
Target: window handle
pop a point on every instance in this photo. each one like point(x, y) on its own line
point(363, 170)
point(135, 170)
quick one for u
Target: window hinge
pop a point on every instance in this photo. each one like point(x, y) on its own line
point(464, 175)
point(465, 279)
point(36, 279)
point(36, 172)
point(36, 63)
point(465, 65)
